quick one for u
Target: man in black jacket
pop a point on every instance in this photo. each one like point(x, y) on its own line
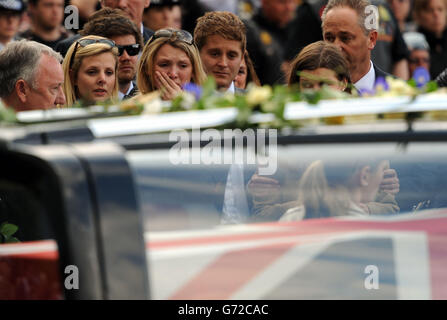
point(267, 34)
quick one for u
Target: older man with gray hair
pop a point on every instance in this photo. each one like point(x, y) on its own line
point(31, 76)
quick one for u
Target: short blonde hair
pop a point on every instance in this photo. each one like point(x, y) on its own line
point(145, 73)
point(71, 72)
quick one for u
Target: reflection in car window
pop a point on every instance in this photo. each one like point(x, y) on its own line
point(317, 181)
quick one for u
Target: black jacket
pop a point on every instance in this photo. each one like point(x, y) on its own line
point(62, 46)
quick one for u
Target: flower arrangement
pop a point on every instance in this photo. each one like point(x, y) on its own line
point(256, 100)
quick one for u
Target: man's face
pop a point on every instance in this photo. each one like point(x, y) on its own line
point(419, 58)
point(342, 29)
point(48, 14)
point(279, 11)
point(49, 80)
point(127, 64)
point(161, 17)
point(9, 24)
point(134, 8)
point(221, 59)
point(433, 18)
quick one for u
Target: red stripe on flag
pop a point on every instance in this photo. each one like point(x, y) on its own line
point(230, 272)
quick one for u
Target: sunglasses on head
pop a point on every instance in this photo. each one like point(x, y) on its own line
point(86, 42)
point(181, 35)
point(131, 49)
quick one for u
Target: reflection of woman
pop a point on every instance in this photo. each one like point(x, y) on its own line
point(90, 70)
point(430, 15)
point(168, 62)
point(246, 74)
point(325, 190)
point(317, 64)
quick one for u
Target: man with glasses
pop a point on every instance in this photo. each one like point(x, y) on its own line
point(128, 39)
point(419, 51)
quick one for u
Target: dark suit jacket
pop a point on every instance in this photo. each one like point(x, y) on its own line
point(147, 34)
point(62, 46)
point(381, 73)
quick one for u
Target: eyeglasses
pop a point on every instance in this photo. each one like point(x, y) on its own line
point(419, 60)
point(181, 35)
point(131, 49)
point(85, 42)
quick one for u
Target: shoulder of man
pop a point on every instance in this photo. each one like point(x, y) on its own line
point(63, 45)
point(380, 73)
point(147, 34)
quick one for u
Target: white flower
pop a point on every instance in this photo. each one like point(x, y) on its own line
point(153, 106)
point(258, 95)
point(188, 100)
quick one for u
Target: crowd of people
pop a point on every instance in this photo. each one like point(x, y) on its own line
point(130, 47)
point(127, 48)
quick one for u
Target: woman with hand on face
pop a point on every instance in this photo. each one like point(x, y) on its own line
point(320, 63)
point(90, 71)
point(168, 62)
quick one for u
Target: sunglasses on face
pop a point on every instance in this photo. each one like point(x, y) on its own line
point(85, 42)
point(131, 49)
point(181, 35)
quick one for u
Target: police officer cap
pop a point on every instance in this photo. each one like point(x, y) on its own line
point(161, 3)
point(13, 5)
point(415, 41)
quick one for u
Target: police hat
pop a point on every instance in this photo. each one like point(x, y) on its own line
point(415, 41)
point(12, 5)
point(161, 3)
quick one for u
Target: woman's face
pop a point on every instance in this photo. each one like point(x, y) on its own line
point(433, 18)
point(174, 63)
point(96, 77)
point(401, 9)
point(241, 79)
point(315, 79)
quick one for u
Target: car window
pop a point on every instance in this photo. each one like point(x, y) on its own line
point(206, 223)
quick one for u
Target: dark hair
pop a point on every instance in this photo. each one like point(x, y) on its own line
point(251, 73)
point(316, 55)
point(110, 23)
point(221, 23)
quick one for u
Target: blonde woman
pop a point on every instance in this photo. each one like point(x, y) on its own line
point(327, 190)
point(90, 71)
point(168, 62)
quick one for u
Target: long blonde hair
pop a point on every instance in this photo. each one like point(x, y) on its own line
point(325, 190)
point(145, 74)
point(70, 74)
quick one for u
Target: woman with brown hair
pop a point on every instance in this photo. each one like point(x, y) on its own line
point(246, 74)
point(320, 63)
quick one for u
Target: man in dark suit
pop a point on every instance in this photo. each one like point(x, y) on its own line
point(133, 8)
point(352, 26)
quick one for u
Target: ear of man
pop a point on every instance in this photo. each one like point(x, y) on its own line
point(372, 39)
point(22, 90)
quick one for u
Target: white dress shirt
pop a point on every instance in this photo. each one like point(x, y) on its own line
point(368, 80)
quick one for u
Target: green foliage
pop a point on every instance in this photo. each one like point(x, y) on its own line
point(7, 230)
